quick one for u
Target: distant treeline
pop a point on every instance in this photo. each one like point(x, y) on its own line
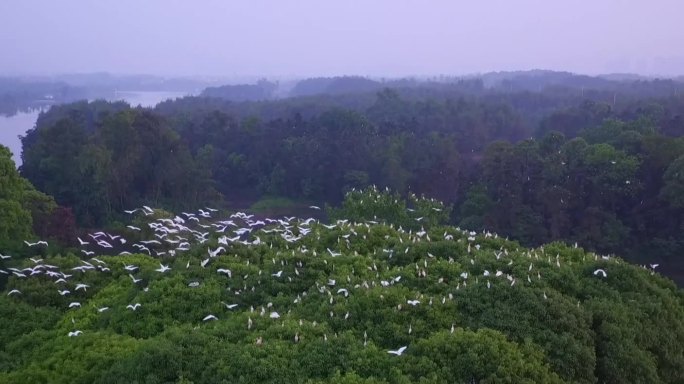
point(18, 95)
point(548, 82)
point(26, 93)
point(599, 163)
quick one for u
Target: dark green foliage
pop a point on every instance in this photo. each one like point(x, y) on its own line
point(132, 157)
point(673, 190)
point(25, 212)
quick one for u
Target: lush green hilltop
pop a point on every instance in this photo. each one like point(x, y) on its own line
point(299, 300)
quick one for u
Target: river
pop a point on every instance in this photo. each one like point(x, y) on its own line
point(11, 127)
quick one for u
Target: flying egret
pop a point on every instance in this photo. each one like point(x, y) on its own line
point(36, 243)
point(398, 352)
point(226, 271)
point(600, 272)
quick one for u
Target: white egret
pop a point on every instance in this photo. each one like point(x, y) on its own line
point(397, 352)
point(600, 272)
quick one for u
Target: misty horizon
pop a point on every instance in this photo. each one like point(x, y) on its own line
point(383, 39)
point(253, 78)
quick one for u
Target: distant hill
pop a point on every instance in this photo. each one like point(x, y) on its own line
point(534, 80)
point(507, 81)
point(624, 77)
point(135, 82)
point(262, 90)
point(335, 86)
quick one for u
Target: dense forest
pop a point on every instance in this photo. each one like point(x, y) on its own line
point(536, 157)
point(385, 293)
point(511, 228)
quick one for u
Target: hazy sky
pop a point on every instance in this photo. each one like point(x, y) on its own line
point(321, 37)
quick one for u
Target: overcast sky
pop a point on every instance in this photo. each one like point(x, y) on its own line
point(325, 37)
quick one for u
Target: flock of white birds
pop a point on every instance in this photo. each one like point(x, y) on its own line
point(174, 236)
